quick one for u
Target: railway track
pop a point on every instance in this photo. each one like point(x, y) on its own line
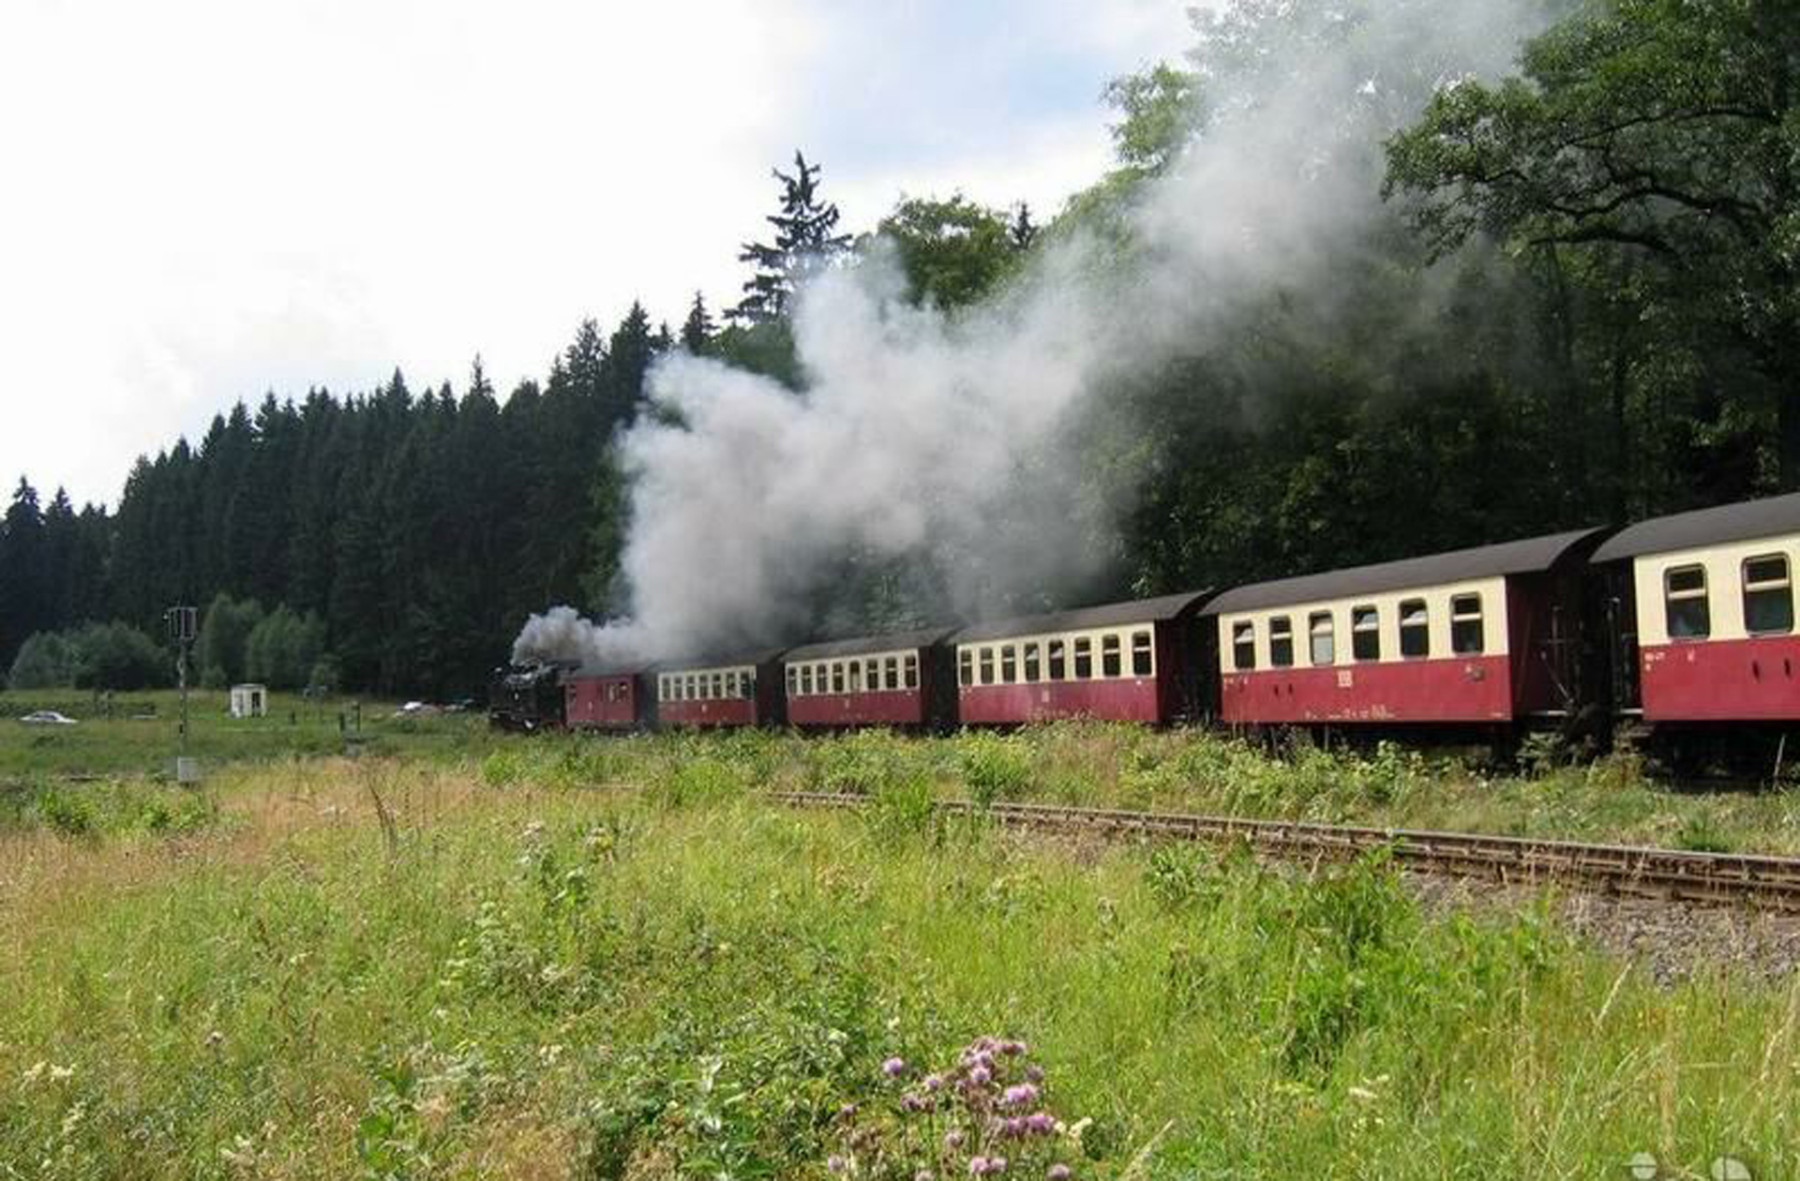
point(1715, 879)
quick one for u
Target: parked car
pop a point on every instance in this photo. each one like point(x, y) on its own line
point(47, 717)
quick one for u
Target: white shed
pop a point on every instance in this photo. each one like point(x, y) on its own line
point(249, 701)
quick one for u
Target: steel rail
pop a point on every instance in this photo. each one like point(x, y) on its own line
point(1735, 879)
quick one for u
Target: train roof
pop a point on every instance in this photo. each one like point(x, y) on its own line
point(757, 657)
point(858, 645)
point(1157, 610)
point(1526, 556)
point(1744, 521)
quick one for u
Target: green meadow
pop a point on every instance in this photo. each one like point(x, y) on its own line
point(602, 959)
point(136, 734)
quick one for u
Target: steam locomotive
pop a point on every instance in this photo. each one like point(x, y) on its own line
point(1684, 623)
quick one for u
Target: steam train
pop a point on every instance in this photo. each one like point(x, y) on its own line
point(1684, 623)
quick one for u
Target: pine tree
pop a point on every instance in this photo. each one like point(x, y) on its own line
point(698, 329)
point(1023, 231)
point(23, 595)
point(804, 242)
point(628, 355)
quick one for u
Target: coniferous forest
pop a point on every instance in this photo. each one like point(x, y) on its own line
point(1610, 238)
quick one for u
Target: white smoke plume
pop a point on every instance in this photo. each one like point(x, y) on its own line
point(946, 437)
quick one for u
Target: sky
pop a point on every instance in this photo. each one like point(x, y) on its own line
point(205, 200)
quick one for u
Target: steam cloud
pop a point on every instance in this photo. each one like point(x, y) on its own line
point(946, 439)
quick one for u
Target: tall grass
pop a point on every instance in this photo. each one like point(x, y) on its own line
point(527, 973)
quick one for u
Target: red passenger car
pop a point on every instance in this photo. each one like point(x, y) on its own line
point(1136, 661)
point(736, 691)
point(605, 701)
point(1486, 635)
point(1703, 607)
point(892, 680)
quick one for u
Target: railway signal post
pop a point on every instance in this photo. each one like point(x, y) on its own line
point(182, 630)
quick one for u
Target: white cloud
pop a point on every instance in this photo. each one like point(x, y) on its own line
point(205, 199)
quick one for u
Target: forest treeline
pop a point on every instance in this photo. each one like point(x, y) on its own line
point(1578, 304)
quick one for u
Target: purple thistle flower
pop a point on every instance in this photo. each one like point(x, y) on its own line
point(847, 1110)
point(894, 1067)
point(996, 1164)
point(835, 1163)
point(978, 1166)
point(1041, 1122)
point(1059, 1172)
point(933, 1081)
point(1020, 1095)
point(981, 1076)
point(953, 1137)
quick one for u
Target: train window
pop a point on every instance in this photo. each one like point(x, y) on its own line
point(1033, 666)
point(1055, 659)
point(856, 676)
point(1365, 633)
point(1084, 658)
point(747, 683)
point(1324, 639)
point(965, 666)
point(718, 686)
point(691, 686)
point(1111, 656)
point(872, 675)
point(1684, 599)
point(893, 672)
point(1281, 641)
point(912, 670)
point(731, 685)
point(1466, 638)
point(1143, 658)
point(1768, 595)
point(1415, 628)
point(837, 676)
point(987, 666)
point(806, 681)
point(1009, 664)
point(1243, 646)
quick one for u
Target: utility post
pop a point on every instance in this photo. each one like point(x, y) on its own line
point(182, 630)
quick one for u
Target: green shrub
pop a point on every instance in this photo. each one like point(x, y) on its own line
point(862, 762)
point(66, 812)
point(700, 781)
point(994, 766)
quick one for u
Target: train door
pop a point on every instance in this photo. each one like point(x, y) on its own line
point(1619, 609)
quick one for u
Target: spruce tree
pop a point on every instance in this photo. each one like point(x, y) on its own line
point(23, 594)
point(804, 242)
point(698, 329)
